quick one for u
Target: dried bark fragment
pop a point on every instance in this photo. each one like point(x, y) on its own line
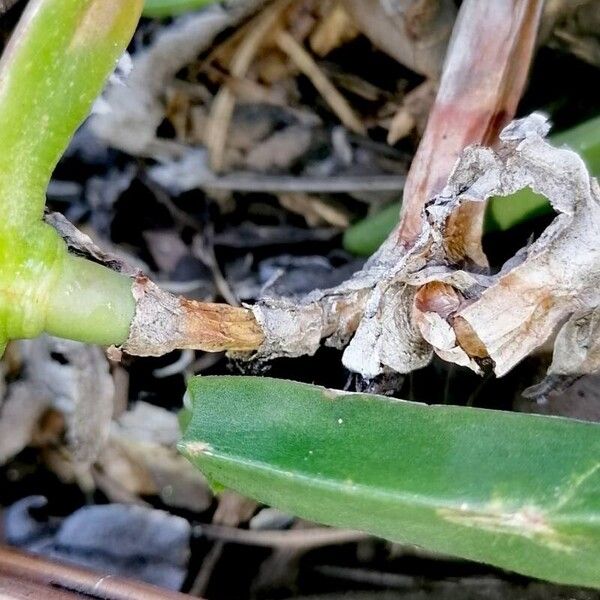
point(164, 322)
point(554, 278)
point(296, 328)
point(82, 244)
point(388, 329)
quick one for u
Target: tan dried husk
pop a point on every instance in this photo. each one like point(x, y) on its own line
point(140, 459)
point(411, 303)
point(415, 33)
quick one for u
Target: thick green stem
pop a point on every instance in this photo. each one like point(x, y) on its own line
point(28, 262)
point(54, 67)
point(90, 303)
point(44, 288)
point(50, 74)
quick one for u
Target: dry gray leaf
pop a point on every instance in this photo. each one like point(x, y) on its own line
point(20, 413)
point(141, 457)
point(414, 32)
point(77, 380)
point(70, 377)
point(166, 247)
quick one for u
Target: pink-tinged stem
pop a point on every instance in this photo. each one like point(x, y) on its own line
point(483, 78)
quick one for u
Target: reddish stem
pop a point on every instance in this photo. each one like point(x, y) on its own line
point(483, 78)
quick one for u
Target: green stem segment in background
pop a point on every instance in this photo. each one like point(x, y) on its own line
point(367, 235)
point(170, 8)
point(517, 491)
point(55, 66)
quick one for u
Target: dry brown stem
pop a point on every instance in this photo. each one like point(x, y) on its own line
point(426, 289)
point(164, 322)
point(483, 78)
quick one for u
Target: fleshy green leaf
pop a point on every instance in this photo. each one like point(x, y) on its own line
point(517, 491)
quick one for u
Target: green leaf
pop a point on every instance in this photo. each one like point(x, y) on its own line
point(365, 236)
point(517, 491)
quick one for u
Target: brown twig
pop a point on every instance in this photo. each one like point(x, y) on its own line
point(315, 537)
point(224, 103)
point(164, 322)
point(304, 61)
point(26, 576)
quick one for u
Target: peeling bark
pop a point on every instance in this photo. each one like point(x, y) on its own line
point(164, 322)
point(483, 78)
point(423, 299)
point(551, 280)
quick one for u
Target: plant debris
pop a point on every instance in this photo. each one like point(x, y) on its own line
point(153, 545)
point(224, 166)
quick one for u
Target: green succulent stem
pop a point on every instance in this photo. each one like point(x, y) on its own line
point(89, 303)
point(171, 8)
point(54, 67)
